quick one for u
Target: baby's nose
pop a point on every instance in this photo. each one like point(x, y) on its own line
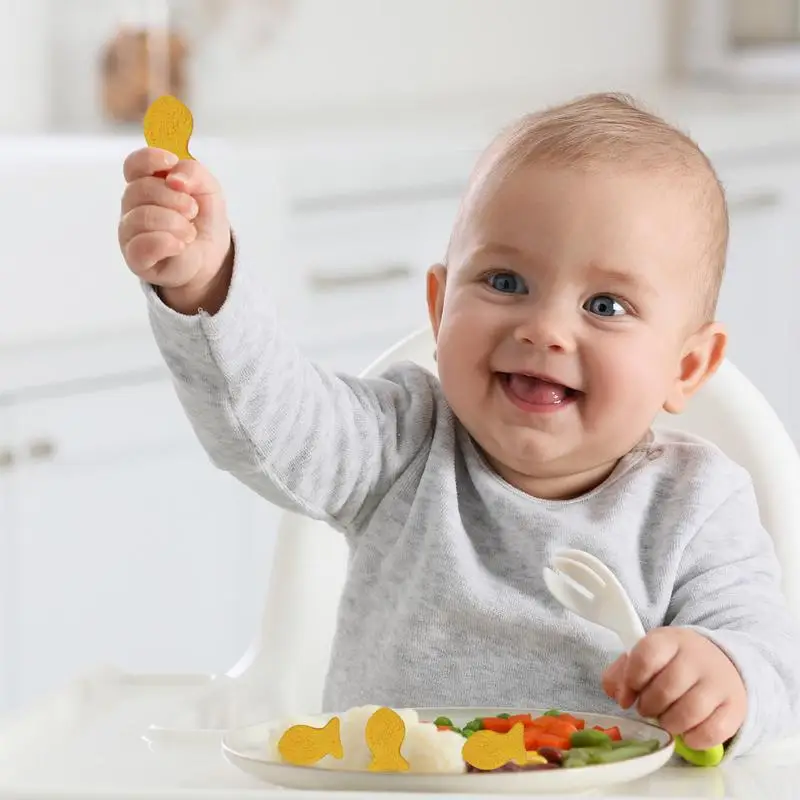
point(549, 330)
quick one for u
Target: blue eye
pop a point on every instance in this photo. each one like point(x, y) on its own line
point(507, 283)
point(604, 305)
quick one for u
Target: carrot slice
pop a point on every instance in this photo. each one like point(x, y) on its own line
point(523, 718)
point(497, 724)
point(579, 723)
point(613, 732)
point(536, 738)
point(557, 726)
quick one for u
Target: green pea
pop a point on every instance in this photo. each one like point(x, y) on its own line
point(553, 712)
point(443, 722)
point(590, 738)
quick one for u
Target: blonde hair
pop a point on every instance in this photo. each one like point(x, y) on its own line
point(603, 129)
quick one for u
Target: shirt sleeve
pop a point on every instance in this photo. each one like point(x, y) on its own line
point(729, 589)
point(324, 445)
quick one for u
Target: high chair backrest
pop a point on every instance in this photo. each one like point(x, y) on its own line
point(310, 562)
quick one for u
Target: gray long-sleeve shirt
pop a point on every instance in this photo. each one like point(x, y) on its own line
point(444, 603)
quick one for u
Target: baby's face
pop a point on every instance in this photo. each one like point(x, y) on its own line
point(566, 320)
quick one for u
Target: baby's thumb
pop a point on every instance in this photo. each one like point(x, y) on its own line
point(613, 675)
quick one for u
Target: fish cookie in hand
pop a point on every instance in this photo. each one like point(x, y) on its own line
point(487, 750)
point(303, 745)
point(385, 732)
point(168, 125)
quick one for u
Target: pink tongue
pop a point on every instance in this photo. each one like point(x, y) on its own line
point(536, 391)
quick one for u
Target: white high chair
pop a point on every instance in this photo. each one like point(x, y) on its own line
point(284, 670)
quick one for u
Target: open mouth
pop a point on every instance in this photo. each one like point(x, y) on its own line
point(535, 393)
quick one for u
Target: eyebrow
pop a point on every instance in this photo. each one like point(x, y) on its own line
point(619, 277)
point(498, 249)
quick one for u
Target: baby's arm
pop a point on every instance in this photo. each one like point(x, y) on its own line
point(729, 590)
point(308, 440)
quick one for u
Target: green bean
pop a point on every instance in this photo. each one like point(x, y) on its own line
point(575, 758)
point(620, 754)
point(590, 738)
point(503, 716)
point(651, 744)
point(474, 725)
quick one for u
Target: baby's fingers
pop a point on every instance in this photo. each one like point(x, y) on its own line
point(154, 192)
point(147, 161)
point(674, 682)
point(153, 219)
point(145, 251)
point(651, 655)
point(700, 719)
point(193, 178)
point(613, 676)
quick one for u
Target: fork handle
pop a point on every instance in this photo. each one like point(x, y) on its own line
point(631, 633)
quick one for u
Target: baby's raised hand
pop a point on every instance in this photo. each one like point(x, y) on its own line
point(173, 230)
point(683, 680)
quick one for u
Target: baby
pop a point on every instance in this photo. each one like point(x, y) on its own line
point(576, 301)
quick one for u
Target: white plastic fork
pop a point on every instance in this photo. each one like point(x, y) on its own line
point(586, 586)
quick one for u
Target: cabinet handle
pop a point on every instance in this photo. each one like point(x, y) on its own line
point(387, 273)
point(41, 450)
point(754, 201)
point(7, 458)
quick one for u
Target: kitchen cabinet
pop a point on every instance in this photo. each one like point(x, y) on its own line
point(762, 280)
point(121, 543)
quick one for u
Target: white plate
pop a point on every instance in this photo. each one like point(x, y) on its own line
point(246, 748)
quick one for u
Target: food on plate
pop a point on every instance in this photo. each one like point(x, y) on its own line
point(304, 745)
point(385, 733)
point(383, 739)
point(558, 740)
point(426, 749)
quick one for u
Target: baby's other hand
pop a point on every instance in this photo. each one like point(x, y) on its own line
point(173, 230)
point(683, 680)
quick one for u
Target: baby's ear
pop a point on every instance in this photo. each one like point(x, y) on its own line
point(703, 353)
point(437, 276)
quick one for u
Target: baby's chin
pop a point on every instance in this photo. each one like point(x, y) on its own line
point(549, 475)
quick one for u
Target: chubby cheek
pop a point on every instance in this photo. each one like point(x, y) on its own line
point(629, 382)
point(463, 354)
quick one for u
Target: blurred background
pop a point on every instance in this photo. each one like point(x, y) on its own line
point(343, 133)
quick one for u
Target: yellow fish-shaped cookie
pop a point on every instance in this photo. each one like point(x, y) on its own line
point(487, 750)
point(385, 732)
point(302, 745)
point(168, 125)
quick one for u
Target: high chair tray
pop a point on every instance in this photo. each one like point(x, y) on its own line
point(94, 739)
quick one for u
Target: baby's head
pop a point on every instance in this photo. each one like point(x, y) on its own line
point(578, 295)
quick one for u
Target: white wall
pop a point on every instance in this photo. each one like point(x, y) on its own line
point(340, 57)
point(375, 53)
